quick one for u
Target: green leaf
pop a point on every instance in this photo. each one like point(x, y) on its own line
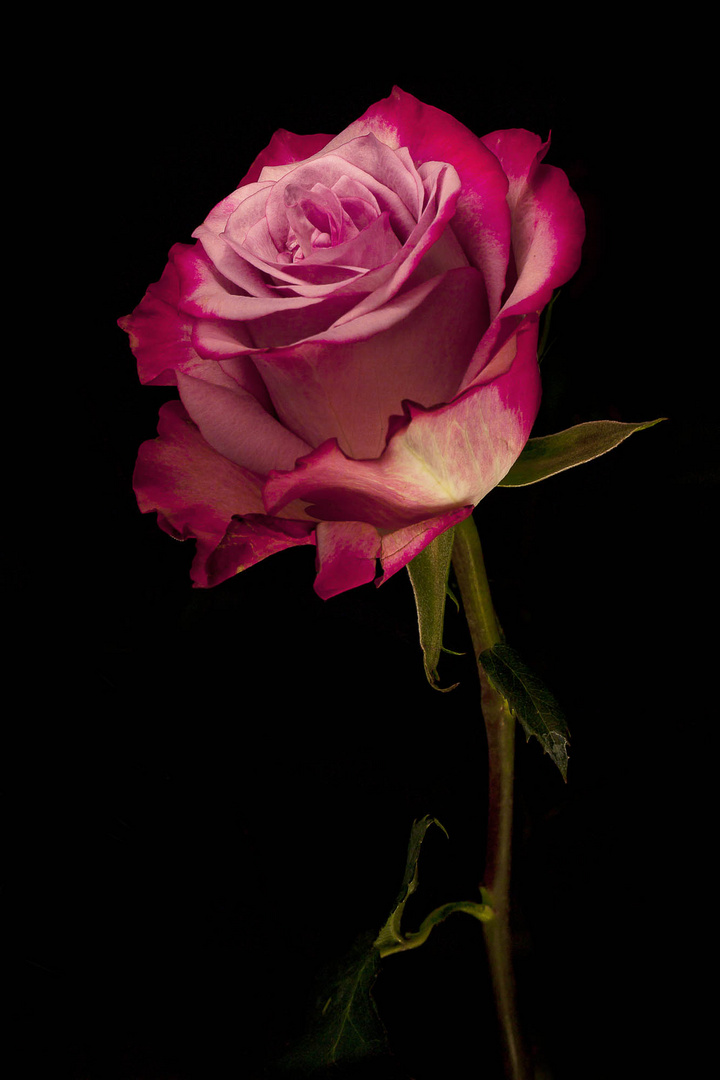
point(392, 939)
point(530, 701)
point(550, 454)
point(429, 575)
point(391, 934)
point(346, 1026)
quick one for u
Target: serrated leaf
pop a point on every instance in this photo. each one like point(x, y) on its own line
point(409, 882)
point(550, 454)
point(530, 701)
point(428, 575)
point(346, 1026)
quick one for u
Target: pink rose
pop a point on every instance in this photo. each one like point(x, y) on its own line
point(353, 336)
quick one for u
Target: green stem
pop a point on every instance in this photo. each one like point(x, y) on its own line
point(469, 566)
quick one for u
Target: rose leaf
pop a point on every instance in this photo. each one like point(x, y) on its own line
point(549, 454)
point(390, 933)
point(346, 1026)
point(530, 702)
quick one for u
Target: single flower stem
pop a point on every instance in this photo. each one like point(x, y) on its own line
point(469, 566)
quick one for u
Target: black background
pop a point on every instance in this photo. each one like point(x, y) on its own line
point(212, 791)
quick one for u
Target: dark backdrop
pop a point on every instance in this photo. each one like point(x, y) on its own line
point(215, 795)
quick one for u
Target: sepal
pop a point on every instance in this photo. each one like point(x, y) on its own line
point(550, 454)
point(429, 578)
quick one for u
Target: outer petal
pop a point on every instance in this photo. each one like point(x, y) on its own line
point(161, 335)
point(548, 223)
point(283, 149)
point(197, 492)
point(349, 382)
point(482, 218)
point(346, 556)
point(165, 340)
point(194, 490)
point(250, 539)
point(441, 460)
point(548, 232)
point(400, 547)
point(234, 423)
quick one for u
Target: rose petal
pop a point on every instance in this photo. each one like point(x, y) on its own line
point(347, 384)
point(346, 556)
point(438, 460)
point(367, 161)
point(229, 281)
point(399, 548)
point(548, 219)
point(235, 424)
point(196, 493)
point(194, 490)
point(283, 149)
point(481, 220)
point(252, 539)
point(246, 207)
point(160, 335)
point(418, 259)
point(262, 321)
point(548, 232)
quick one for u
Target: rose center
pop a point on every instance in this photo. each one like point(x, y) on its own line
point(317, 218)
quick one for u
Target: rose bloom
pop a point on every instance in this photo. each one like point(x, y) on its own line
point(353, 336)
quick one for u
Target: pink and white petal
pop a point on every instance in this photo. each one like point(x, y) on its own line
point(519, 152)
point(271, 322)
point(194, 490)
point(471, 444)
point(390, 172)
point(244, 274)
point(244, 207)
point(548, 233)
point(399, 548)
point(330, 267)
point(263, 322)
point(349, 382)
point(482, 216)
point(408, 268)
point(221, 339)
point(284, 149)
point(160, 335)
point(205, 292)
point(353, 161)
point(236, 425)
point(243, 373)
point(438, 460)
point(249, 540)
point(496, 350)
point(347, 552)
point(375, 246)
point(548, 219)
point(430, 248)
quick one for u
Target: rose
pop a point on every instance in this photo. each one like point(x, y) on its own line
point(354, 340)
